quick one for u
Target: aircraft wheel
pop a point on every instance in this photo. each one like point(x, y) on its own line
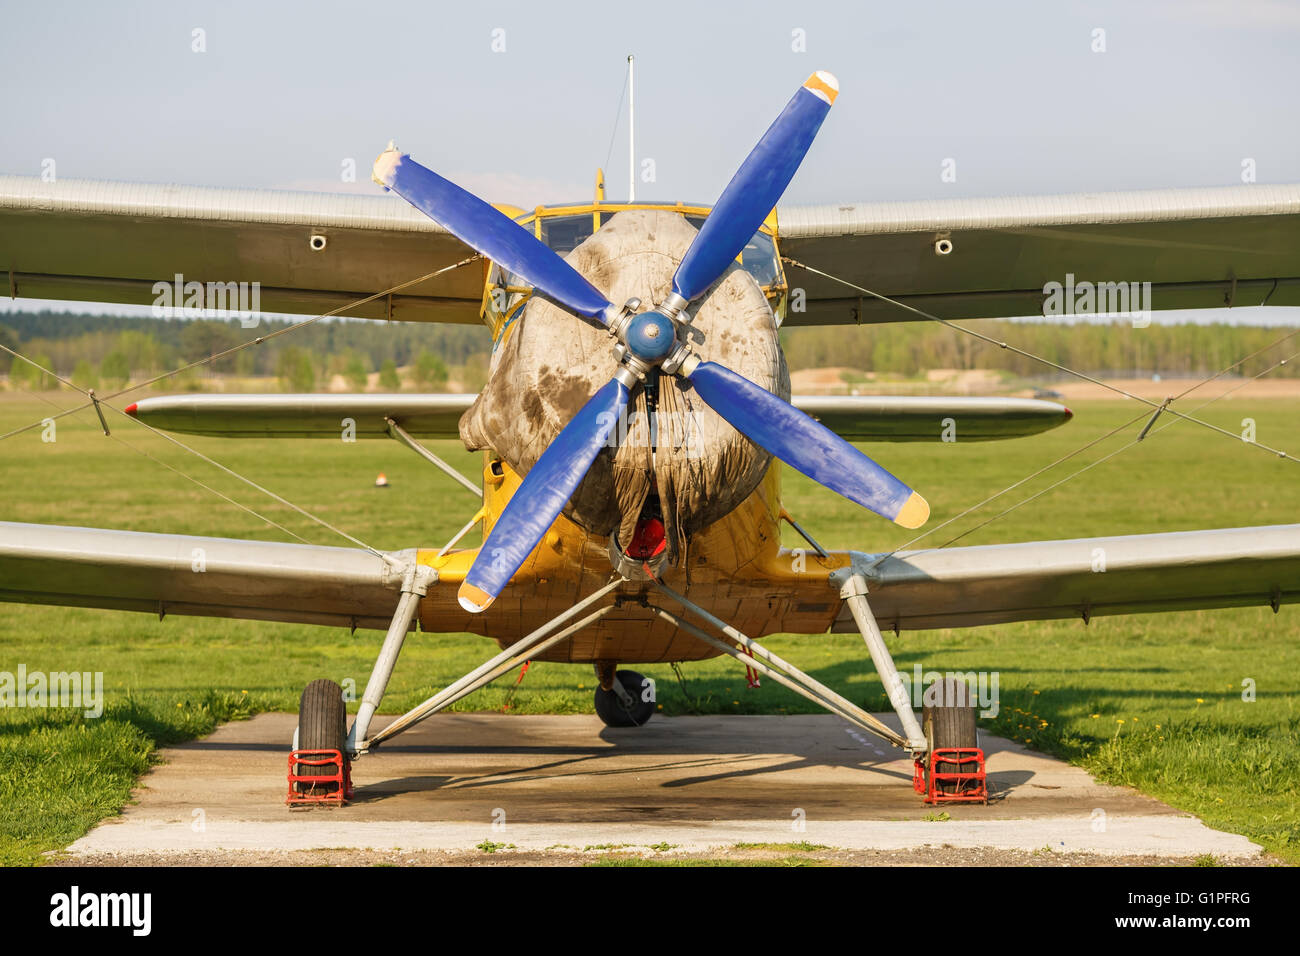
point(615, 713)
point(322, 725)
point(948, 720)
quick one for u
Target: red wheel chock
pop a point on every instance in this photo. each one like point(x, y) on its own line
point(971, 784)
point(327, 789)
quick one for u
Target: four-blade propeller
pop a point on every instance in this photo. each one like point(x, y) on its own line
point(650, 341)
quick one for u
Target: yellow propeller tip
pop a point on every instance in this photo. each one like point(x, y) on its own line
point(474, 599)
point(914, 513)
point(385, 167)
point(824, 85)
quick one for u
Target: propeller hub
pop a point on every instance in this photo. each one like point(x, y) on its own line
point(650, 337)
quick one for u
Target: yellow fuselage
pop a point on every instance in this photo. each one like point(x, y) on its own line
point(737, 570)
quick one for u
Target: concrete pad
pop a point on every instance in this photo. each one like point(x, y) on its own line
point(536, 782)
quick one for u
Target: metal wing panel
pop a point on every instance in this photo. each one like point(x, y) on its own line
point(212, 577)
point(110, 242)
point(304, 416)
point(854, 417)
point(899, 418)
point(1200, 248)
point(1045, 580)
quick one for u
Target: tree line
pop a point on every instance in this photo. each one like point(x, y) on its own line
point(1113, 350)
point(91, 350)
point(94, 350)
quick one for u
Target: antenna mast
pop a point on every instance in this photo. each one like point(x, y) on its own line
point(631, 128)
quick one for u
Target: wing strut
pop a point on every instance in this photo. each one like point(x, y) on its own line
point(752, 654)
point(414, 586)
point(534, 644)
point(854, 594)
point(402, 435)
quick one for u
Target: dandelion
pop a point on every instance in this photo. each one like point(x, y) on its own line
point(1094, 716)
point(1200, 700)
point(1119, 720)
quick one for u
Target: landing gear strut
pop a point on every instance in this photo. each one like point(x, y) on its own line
point(623, 698)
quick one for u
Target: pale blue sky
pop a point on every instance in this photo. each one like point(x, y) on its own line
point(1012, 91)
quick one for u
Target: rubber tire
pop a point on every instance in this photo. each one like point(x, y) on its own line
point(322, 725)
point(611, 710)
point(949, 722)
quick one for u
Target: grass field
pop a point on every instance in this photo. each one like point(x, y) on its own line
point(1151, 701)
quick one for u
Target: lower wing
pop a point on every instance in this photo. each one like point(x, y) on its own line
point(1084, 577)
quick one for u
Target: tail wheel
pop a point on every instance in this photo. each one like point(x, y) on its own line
point(616, 712)
point(948, 720)
point(322, 725)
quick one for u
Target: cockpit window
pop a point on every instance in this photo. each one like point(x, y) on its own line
point(505, 293)
point(758, 257)
point(564, 233)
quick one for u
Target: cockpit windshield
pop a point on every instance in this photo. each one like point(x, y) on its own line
point(563, 234)
point(563, 231)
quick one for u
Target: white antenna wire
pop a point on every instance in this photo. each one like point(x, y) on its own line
point(631, 129)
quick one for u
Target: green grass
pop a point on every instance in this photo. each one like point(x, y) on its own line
point(803, 846)
point(1234, 763)
point(783, 861)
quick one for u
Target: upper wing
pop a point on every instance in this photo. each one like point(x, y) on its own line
point(111, 242)
point(1199, 248)
point(1043, 580)
point(855, 417)
point(212, 577)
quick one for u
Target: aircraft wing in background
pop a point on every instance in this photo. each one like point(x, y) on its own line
point(111, 242)
point(888, 418)
point(1199, 249)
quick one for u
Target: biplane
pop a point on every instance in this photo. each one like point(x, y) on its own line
point(637, 411)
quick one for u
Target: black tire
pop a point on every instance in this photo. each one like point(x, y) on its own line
point(322, 725)
point(612, 710)
point(948, 720)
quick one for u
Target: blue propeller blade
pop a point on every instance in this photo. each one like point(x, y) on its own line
point(756, 187)
point(540, 497)
point(812, 448)
point(492, 233)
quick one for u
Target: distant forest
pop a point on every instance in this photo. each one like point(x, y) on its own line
point(1115, 350)
point(95, 350)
